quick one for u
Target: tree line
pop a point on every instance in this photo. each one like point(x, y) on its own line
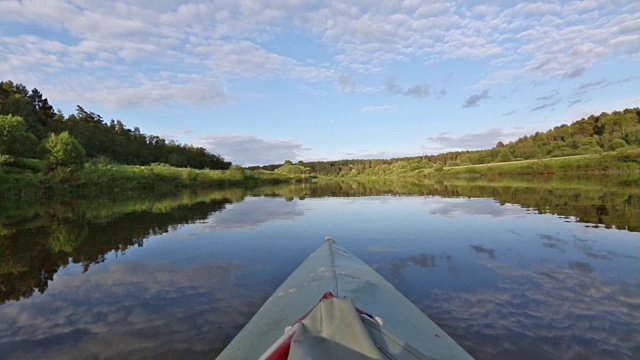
point(592, 135)
point(28, 123)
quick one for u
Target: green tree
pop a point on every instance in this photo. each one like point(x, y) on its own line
point(15, 140)
point(18, 105)
point(64, 151)
point(504, 157)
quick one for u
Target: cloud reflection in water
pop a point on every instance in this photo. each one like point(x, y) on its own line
point(455, 206)
point(551, 313)
point(131, 310)
point(253, 212)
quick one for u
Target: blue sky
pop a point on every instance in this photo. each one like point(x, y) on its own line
point(261, 82)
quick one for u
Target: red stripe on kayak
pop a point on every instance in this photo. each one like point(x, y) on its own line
point(282, 352)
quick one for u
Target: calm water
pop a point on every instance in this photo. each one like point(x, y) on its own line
point(523, 270)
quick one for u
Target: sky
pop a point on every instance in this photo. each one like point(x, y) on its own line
point(261, 82)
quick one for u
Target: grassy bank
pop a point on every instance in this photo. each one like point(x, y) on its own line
point(98, 180)
point(625, 160)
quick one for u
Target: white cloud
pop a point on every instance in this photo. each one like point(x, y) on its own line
point(475, 99)
point(369, 154)
point(394, 87)
point(473, 141)
point(376, 109)
point(120, 42)
point(224, 40)
point(346, 83)
point(144, 91)
point(547, 101)
point(580, 93)
point(250, 150)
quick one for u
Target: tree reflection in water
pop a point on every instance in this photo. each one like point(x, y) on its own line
point(562, 308)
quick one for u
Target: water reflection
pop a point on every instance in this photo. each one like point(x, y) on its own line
point(253, 212)
point(488, 262)
point(461, 207)
point(613, 202)
point(129, 310)
point(552, 242)
point(550, 313)
point(31, 256)
point(479, 249)
point(580, 266)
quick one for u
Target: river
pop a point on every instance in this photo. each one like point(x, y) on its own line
point(524, 268)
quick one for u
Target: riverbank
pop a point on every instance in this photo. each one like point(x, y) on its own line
point(623, 161)
point(121, 181)
point(626, 161)
point(95, 180)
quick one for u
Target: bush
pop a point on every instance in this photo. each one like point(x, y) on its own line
point(503, 157)
point(617, 144)
point(628, 154)
point(102, 161)
point(5, 160)
point(593, 149)
point(64, 151)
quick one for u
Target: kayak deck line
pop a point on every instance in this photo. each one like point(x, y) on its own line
point(333, 264)
point(335, 326)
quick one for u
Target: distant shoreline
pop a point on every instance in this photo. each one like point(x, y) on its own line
point(622, 161)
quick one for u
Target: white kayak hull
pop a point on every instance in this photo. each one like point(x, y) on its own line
point(333, 269)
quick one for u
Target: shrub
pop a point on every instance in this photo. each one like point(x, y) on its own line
point(5, 160)
point(64, 151)
point(503, 157)
point(617, 144)
point(102, 161)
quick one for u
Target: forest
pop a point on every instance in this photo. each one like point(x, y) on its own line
point(616, 133)
point(30, 128)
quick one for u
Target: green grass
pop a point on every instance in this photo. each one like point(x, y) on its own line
point(123, 180)
point(626, 160)
point(160, 178)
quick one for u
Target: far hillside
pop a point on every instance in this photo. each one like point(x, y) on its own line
point(594, 135)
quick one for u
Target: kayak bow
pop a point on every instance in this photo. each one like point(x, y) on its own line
point(335, 306)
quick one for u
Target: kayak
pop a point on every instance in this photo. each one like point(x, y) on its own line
point(334, 306)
